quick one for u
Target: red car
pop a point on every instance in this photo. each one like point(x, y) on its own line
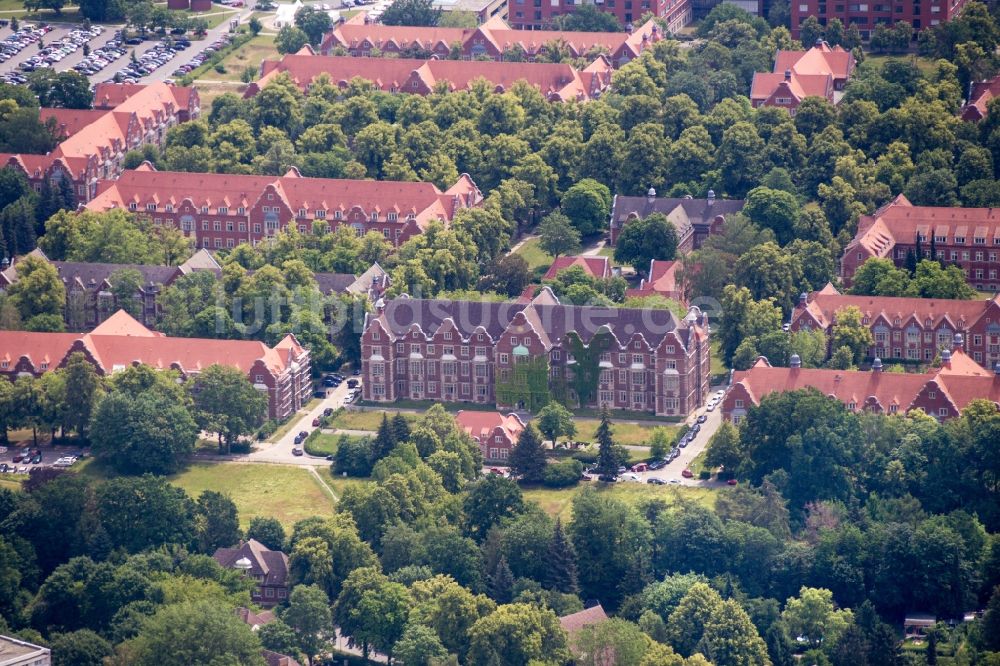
point(687, 474)
point(315, 423)
point(731, 482)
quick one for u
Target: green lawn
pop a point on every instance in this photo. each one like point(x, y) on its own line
point(286, 493)
point(538, 259)
point(925, 65)
point(625, 433)
point(364, 420)
point(559, 503)
point(12, 482)
point(339, 483)
point(719, 371)
point(248, 55)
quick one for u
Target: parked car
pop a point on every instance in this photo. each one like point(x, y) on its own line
point(731, 482)
point(329, 381)
point(687, 474)
point(316, 422)
point(710, 407)
point(657, 464)
point(319, 394)
point(37, 458)
point(655, 481)
point(702, 418)
point(18, 457)
point(629, 476)
point(4, 468)
point(328, 411)
point(353, 383)
point(296, 451)
point(640, 467)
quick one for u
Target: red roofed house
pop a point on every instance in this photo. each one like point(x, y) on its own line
point(94, 141)
point(822, 71)
point(495, 433)
point(662, 281)
point(224, 210)
point(281, 371)
point(574, 623)
point(980, 95)
point(558, 82)
point(909, 329)
point(595, 266)
point(268, 567)
point(943, 393)
point(493, 39)
point(966, 237)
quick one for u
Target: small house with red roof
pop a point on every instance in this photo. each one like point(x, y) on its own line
point(281, 371)
point(496, 434)
point(981, 93)
point(822, 71)
point(662, 280)
point(268, 567)
point(594, 266)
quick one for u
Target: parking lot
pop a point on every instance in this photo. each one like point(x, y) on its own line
point(21, 460)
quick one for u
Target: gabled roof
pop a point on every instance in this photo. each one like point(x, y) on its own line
point(481, 425)
point(662, 280)
point(271, 564)
point(594, 266)
point(766, 85)
point(574, 622)
point(820, 59)
point(980, 95)
point(696, 211)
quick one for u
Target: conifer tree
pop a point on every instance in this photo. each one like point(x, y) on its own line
point(528, 459)
point(560, 574)
point(384, 442)
point(502, 582)
point(607, 463)
point(400, 428)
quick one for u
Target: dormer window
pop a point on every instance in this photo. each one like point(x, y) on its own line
point(393, 217)
point(302, 212)
point(374, 217)
point(223, 210)
point(320, 214)
point(132, 205)
point(241, 210)
point(169, 208)
point(959, 240)
point(337, 215)
point(204, 210)
point(270, 197)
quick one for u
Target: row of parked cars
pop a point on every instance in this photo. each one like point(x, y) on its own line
point(151, 60)
point(60, 49)
point(100, 58)
point(24, 36)
point(203, 55)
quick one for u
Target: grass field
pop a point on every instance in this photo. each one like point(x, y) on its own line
point(625, 433)
point(925, 65)
point(538, 259)
point(364, 420)
point(248, 55)
point(339, 483)
point(286, 493)
point(559, 503)
point(12, 483)
point(209, 90)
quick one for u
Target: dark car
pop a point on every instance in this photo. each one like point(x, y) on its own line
point(296, 452)
point(702, 418)
point(328, 411)
point(655, 481)
point(303, 434)
point(352, 383)
point(319, 394)
point(316, 422)
point(329, 381)
point(37, 458)
point(18, 457)
point(687, 474)
point(658, 464)
point(731, 482)
point(4, 468)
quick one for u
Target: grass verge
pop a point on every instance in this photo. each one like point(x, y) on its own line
point(631, 434)
point(364, 420)
point(559, 502)
point(283, 492)
point(248, 55)
point(536, 257)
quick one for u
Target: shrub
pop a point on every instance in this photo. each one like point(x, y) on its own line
point(562, 474)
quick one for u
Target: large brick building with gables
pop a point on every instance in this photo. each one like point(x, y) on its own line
point(519, 355)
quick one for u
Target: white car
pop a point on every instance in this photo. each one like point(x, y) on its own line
point(630, 477)
point(710, 407)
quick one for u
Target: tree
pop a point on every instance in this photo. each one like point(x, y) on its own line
point(555, 421)
point(372, 610)
point(125, 286)
point(67, 90)
point(660, 441)
point(560, 567)
point(558, 235)
point(812, 615)
point(644, 239)
point(686, 625)
point(730, 637)
point(773, 209)
point(141, 433)
point(850, 332)
point(616, 636)
point(489, 501)
point(38, 294)
point(314, 22)
point(607, 461)
point(527, 460)
point(195, 632)
point(267, 531)
point(85, 386)
point(508, 275)
point(290, 39)
point(217, 522)
point(587, 18)
point(516, 634)
point(501, 582)
point(588, 206)
point(411, 12)
point(724, 449)
point(309, 616)
point(226, 402)
point(144, 512)
point(420, 646)
point(80, 648)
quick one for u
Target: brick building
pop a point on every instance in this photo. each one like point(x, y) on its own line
point(282, 371)
point(909, 329)
point(268, 567)
point(966, 237)
point(539, 14)
point(694, 219)
point(520, 355)
point(496, 434)
point(943, 393)
point(94, 141)
point(981, 93)
point(822, 71)
point(557, 82)
point(493, 39)
point(90, 299)
point(662, 280)
point(224, 210)
point(867, 15)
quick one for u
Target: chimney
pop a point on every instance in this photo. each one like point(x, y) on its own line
point(957, 341)
point(877, 365)
point(788, 74)
point(946, 358)
point(795, 361)
point(711, 197)
point(651, 196)
point(803, 299)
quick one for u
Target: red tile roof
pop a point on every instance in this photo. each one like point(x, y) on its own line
point(594, 266)
point(558, 82)
point(900, 221)
point(423, 200)
point(588, 617)
point(823, 305)
point(981, 94)
point(662, 281)
point(800, 74)
point(820, 59)
point(480, 425)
